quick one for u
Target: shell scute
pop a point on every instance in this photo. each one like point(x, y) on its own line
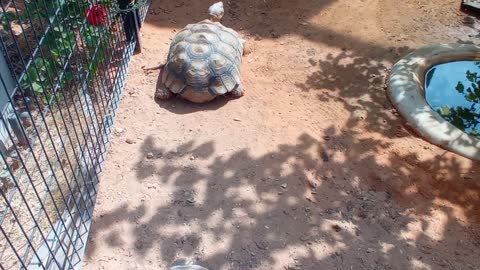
point(203, 56)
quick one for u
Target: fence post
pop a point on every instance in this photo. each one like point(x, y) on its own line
point(7, 87)
point(131, 23)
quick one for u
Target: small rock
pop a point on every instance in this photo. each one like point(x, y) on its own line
point(118, 131)
point(6, 184)
point(149, 155)
point(284, 185)
point(311, 52)
point(192, 158)
point(261, 245)
point(370, 250)
point(237, 119)
point(25, 117)
point(14, 155)
point(336, 228)
point(129, 141)
point(191, 200)
point(312, 184)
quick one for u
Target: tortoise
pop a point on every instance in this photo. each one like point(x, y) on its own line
point(203, 61)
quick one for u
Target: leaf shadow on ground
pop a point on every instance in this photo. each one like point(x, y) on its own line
point(296, 197)
point(337, 198)
point(332, 200)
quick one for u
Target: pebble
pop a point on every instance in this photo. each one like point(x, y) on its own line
point(336, 228)
point(119, 131)
point(149, 155)
point(129, 141)
point(261, 245)
point(284, 185)
point(311, 52)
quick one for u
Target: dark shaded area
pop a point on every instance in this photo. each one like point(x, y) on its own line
point(335, 209)
point(179, 105)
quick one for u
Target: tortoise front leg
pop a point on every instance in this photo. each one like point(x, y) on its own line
point(163, 93)
point(239, 91)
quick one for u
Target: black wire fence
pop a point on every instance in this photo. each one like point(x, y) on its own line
point(63, 65)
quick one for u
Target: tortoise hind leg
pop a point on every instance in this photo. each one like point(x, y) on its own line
point(163, 93)
point(238, 92)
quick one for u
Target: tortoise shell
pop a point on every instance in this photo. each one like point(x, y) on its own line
point(204, 59)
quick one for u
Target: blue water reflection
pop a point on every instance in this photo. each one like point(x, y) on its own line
point(453, 90)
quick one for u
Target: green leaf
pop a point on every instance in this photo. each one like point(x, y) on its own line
point(458, 122)
point(32, 74)
point(471, 97)
point(445, 110)
point(460, 88)
point(37, 88)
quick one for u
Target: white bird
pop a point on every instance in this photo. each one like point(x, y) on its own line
point(216, 11)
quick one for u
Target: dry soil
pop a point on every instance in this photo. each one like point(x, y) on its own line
point(311, 169)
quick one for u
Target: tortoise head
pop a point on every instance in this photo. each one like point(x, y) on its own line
point(216, 12)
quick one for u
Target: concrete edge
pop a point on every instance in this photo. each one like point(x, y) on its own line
point(407, 93)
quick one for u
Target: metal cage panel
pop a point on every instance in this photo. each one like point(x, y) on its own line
point(63, 65)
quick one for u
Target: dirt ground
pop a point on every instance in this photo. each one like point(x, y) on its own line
point(311, 169)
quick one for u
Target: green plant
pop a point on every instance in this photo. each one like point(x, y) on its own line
point(70, 34)
point(6, 18)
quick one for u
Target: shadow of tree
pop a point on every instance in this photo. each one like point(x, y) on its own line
point(253, 208)
point(357, 82)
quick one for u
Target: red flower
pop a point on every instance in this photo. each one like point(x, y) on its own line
point(96, 15)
